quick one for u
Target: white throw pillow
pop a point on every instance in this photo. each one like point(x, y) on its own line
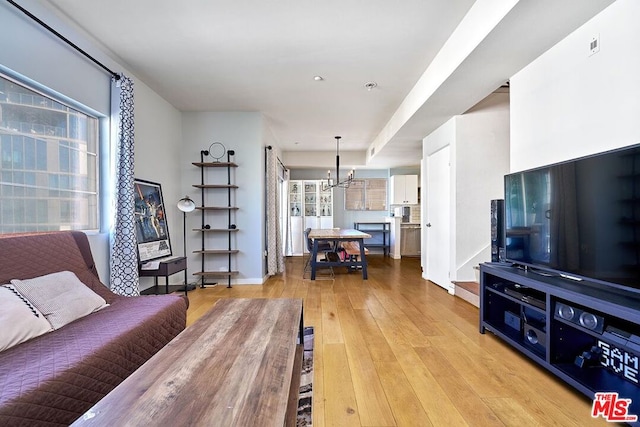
point(19, 319)
point(61, 297)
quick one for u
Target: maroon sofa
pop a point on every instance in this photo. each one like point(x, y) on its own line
point(54, 378)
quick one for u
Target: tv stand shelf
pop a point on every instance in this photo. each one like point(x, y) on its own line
point(585, 333)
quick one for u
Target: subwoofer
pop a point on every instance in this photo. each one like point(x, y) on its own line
point(497, 230)
point(535, 337)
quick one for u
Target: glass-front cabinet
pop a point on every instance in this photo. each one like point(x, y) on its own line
point(295, 199)
point(310, 198)
point(326, 202)
point(310, 206)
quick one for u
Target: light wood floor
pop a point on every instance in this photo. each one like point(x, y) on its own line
point(396, 350)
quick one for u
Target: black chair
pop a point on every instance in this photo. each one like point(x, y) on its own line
point(323, 247)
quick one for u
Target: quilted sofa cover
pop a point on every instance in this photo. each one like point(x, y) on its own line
point(53, 379)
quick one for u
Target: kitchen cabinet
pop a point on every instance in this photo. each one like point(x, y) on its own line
point(404, 190)
point(366, 195)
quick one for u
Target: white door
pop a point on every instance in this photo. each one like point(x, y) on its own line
point(438, 220)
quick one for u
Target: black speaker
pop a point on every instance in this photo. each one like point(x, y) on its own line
point(534, 328)
point(535, 337)
point(497, 230)
point(580, 317)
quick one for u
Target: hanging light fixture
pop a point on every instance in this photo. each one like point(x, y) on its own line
point(342, 184)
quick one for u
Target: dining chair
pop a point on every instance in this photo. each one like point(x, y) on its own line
point(323, 247)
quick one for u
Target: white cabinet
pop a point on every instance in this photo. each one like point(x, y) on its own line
point(296, 240)
point(404, 190)
point(309, 207)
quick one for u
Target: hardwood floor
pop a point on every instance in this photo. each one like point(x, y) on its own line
point(396, 350)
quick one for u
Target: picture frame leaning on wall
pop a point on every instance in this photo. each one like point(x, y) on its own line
point(152, 230)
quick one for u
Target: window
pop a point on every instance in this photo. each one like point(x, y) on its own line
point(48, 163)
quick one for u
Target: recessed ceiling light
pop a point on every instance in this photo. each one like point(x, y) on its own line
point(318, 78)
point(370, 85)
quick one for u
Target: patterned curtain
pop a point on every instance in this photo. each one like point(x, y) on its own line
point(124, 260)
point(275, 260)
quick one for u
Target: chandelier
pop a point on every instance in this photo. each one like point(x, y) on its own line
point(344, 183)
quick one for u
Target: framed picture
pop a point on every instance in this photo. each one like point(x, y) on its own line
point(152, 232)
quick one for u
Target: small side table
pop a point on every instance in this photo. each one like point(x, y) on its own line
point(166, 269)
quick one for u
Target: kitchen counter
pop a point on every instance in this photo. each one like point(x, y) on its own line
point(400, 229)
point(410, 239)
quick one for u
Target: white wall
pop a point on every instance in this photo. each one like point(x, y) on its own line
point(324, 159)
point(163, 152)
point(243, 133)
point(567, 104)
point(28, 49)
point(482, 160)
point(158, 146)
point(479, 141)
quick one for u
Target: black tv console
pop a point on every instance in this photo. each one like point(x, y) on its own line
point(585, 333)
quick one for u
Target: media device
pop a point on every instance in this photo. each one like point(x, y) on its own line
point(620, 362)
point(589, 358)
point(512, 320)
point(497, 227)
point(578, 219)
point(528, 295)
point(623, 338)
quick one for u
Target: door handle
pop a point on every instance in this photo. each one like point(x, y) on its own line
point(428, 224)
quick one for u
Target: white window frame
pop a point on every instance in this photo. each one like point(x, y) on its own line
point(63, 197)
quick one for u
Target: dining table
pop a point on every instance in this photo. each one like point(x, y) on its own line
point(335, 236)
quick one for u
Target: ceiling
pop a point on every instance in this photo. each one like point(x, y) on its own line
point(244, 55)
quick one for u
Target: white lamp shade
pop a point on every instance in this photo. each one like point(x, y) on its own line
point(186, 204)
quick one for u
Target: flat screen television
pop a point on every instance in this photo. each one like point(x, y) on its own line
point(579, 218)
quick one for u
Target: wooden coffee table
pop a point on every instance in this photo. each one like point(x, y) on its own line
point(233, 367)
